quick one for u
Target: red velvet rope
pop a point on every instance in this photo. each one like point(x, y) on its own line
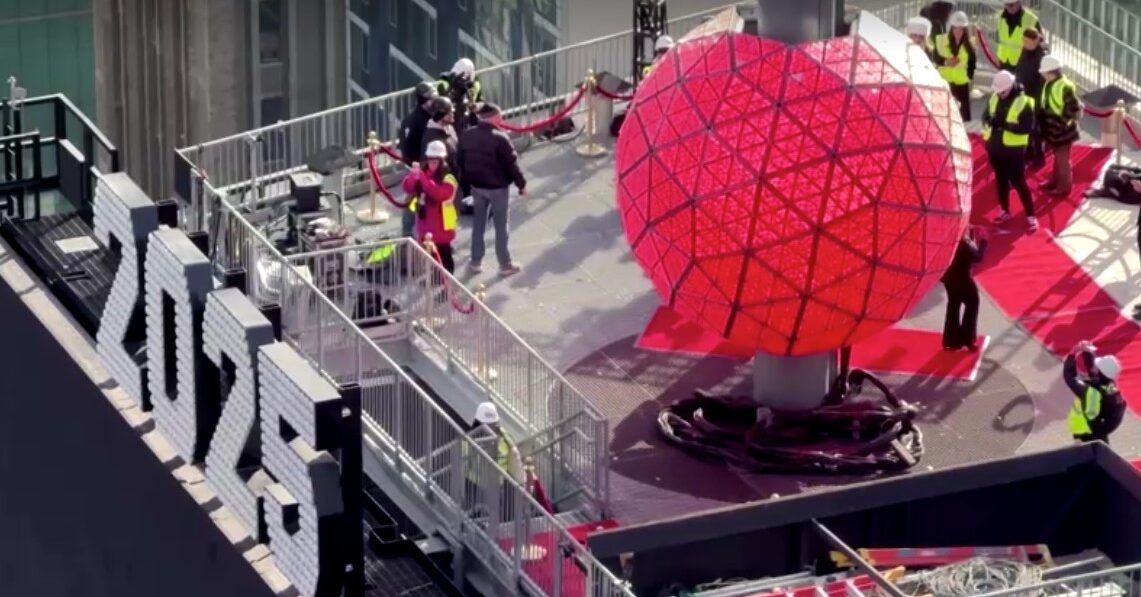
point(1097, 113)
point(1132, 131)
point(456, 304)
point(546, 122)
point(390, 152)
point(985, 45)
point(613, 96)
point(370, 157)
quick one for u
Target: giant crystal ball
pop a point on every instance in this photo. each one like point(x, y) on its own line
point(794, 199)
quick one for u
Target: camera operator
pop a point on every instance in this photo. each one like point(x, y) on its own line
point(461, 86)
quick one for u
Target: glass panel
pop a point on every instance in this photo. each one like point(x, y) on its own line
point(359, 59)
point(269, 30)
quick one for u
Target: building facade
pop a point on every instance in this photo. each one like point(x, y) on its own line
point(172, 73)
point(47, 45)
point(394, 44)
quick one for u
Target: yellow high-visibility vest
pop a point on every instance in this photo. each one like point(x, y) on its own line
point(1009, 139)
point(451, 217)
point(381, 254)
point(1054, 96)
point(1010, 38)
point(957, 74)
point(1080, 417)
point(443, 87)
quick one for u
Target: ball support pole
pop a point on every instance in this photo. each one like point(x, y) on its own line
point(591, 148)
point(372, 214)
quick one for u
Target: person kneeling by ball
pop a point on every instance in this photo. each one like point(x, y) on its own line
point(433, 192)
point(1098, 408)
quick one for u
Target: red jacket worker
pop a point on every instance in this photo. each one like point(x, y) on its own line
point(433, 188)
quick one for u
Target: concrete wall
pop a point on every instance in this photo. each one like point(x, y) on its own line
point(171, 73)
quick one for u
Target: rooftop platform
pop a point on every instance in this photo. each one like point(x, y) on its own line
point(582, 302)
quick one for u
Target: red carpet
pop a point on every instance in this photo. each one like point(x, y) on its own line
point(1036, 283)
point(539, 559)
point(896, 350)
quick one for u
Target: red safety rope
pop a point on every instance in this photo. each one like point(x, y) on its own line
point(1097, 113)
point(456, 304)
point(1132, 131)
point(390, 152)
point(613, 96)
point(370, 157)
point(546, 122)
point(985, 45)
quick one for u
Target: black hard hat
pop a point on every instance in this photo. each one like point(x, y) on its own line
point(425, 91)
point(440, 107)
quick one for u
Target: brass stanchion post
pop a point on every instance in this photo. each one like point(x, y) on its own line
point(1119, 125)
point(372, 214)
point(591, 148)
point(483, 349)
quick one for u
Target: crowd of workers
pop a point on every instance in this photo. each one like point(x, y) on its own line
point(1033, 108)
point(454, 150)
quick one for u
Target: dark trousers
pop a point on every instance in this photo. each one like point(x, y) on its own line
point(1010, 172)
point(962, 94)
point(447, 257)
point(1062, 179)
point(961, 326)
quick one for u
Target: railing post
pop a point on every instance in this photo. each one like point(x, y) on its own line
point(371, 215)
point(1119, 127)
point(352, 488)
point(591, 148)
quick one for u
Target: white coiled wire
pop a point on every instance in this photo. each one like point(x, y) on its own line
point(973, 577)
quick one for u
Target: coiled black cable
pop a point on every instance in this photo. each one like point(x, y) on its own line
point(844, 436)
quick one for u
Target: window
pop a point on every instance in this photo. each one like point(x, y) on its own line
point(269, 30)
point(358, 59)
point(424, 31)
point(272, 110)
point(548, 10)
point(394, 12)
point(360, 7)
point(462, 4)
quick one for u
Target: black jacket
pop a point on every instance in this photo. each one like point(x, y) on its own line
point(436, 134)
point(1027, 75)
point(411, 136)
point(487, 159)
point(967, 254)
point(997, 121)
point(1112, 402)
point(938, 12)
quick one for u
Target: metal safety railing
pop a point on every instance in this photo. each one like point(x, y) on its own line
point(418, 443)
point(567, 436)
point(1114, 582)
point(522, 87)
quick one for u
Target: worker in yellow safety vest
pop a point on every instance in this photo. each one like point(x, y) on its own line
point(663, 44)
point(1013, 19)
point(465, 91)
point(1059, 112)
point(1098, 406)
point(486, 487)
point(955, 57)
point(433, 199)
point(1007, 123)
point(919, 31)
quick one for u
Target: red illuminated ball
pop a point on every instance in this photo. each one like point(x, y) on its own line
point(794, 199)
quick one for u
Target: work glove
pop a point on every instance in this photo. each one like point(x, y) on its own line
point(1085, 346)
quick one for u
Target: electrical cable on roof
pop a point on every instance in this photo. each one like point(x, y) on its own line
point(844, 436)
point(975, 576)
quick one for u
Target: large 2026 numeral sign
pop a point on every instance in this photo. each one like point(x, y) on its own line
point(222, 390)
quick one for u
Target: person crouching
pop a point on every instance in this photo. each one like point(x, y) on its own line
point(433, 192)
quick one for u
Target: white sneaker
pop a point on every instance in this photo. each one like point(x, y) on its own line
point(1033, 223)
point(1002, 218)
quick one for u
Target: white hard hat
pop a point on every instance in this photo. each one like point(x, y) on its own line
point(1003, 80)
point(487, 414)
point(959, 19)
point(1108, 365)
point(919, 26)
point(664, 44)
point(437, 149)
point(1049, 63)
point(464, 66)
